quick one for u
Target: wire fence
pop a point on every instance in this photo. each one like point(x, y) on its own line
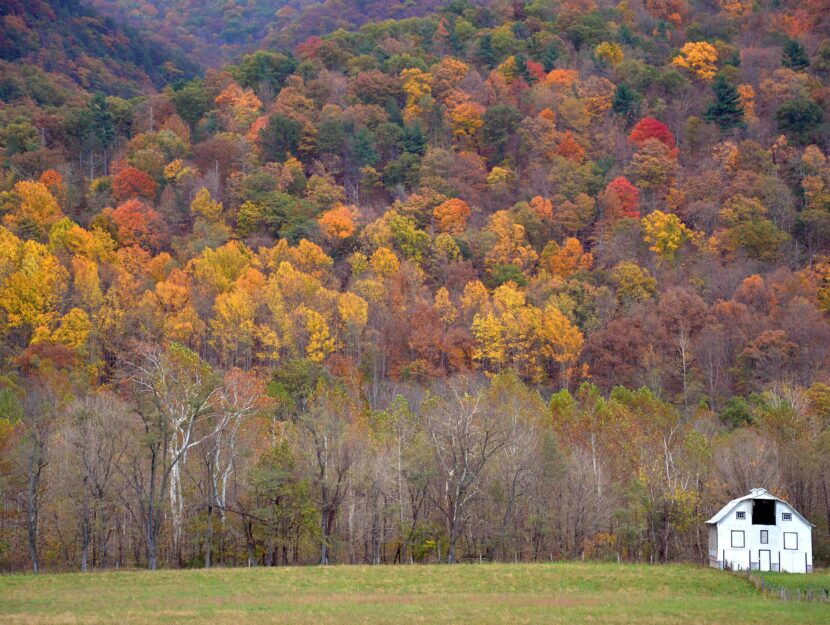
point(821, 595)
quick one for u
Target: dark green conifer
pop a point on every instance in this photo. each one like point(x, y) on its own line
point(794, 56)
point(626, 102)
point(726, 111)
point(485, 54)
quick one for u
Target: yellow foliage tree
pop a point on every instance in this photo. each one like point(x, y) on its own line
point(699, 57)
point(239, 107)
point(384, 262)
point(446, 75)
point(444, 307)
point(320, 342)
point(73, 330)
point(665, 233)
point(467, 118)
point(32, 284)
point(86, 282)
point(510, 245)
point(474, 299)
point(353, 310)
point(36, 210)
point(562, 341)
point(203, 205)
point(417, 84)
point(489, 334)
point(609, 53)
point(747, 94)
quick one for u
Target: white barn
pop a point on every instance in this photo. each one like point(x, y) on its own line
point(760, 532)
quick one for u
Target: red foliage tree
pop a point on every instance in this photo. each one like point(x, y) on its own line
point(621, 199)
point(535, 70)
point(131, 182)
point(649, 128)
point(308, 49)
point(138, 224)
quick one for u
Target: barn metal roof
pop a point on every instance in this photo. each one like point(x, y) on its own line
point(755, 493)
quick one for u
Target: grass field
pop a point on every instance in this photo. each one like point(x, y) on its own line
point(816, 582)
point(571, 593)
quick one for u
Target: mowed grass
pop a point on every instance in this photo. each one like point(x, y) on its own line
point(567, 593)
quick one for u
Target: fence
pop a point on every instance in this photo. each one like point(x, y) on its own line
point(783, 593)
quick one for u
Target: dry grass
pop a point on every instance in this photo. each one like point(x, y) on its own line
point(566, 593)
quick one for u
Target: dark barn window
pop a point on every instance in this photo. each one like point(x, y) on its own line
point(763, 512)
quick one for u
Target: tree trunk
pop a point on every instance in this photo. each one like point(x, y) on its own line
point(85, 537)
point(33, 504)
point(152, 563)
point(209, 536)
point(324, 542)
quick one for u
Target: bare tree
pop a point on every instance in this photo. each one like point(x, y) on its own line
point(41, 405)
point(240, 397)
point(174, 391)
point(325, 427)
point(465, 436)
point(95, 431)
point(518, 408)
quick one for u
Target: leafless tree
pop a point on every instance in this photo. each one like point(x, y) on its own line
point(465, 435)
point(325, 430)
point(240, 397)
point(95, 430)
point(174, 391)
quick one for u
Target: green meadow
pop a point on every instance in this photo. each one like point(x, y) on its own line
point(567, 593)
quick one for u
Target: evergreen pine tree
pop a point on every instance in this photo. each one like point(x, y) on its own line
point(103, 122)
point(726, 111)
point(794, 56)
point(549, 55)
point(414, 139)
point(485, 54)
point(626, 102)
point(362, 149)
point(521, 66)
point(455, 43)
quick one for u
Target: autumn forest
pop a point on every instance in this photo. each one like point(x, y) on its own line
point(387, 282)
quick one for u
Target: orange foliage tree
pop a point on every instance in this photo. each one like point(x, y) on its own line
point(337, 223)
point(451, 216)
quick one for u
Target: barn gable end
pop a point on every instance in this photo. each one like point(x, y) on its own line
point(760, 532)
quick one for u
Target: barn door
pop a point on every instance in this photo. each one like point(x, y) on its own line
point(764, 559)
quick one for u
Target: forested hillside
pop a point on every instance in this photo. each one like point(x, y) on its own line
point(215, 30)
point(49, 45)
point(509, 280)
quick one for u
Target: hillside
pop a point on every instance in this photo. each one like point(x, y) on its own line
point(217, 31)
point(68, 39)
